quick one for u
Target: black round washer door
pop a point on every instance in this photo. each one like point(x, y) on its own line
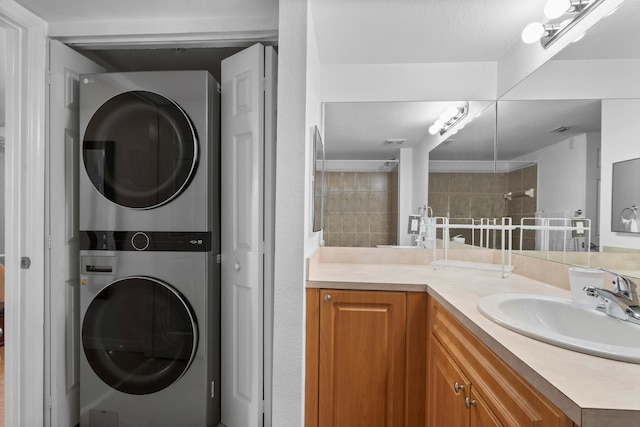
point(139, 335)
point(140, 150)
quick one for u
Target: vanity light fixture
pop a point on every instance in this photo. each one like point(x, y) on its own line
point(562, 15)
point(451, 117)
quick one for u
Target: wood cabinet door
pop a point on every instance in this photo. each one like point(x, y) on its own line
point(362, 358)
point(481, 415)
point(447, 389)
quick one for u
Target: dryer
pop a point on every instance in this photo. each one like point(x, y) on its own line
point(149, 152)
point(150, 326)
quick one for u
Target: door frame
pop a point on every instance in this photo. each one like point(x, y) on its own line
point(24, 210)
point(25, 400)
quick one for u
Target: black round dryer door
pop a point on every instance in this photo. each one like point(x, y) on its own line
point(139, 335)
point(140, 150)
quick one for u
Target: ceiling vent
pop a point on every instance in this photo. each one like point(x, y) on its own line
point(560, 129)
point(396, 141)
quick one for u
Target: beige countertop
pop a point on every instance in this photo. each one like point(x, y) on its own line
point(592, 391)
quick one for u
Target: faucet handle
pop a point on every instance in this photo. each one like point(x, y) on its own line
point(623, 285)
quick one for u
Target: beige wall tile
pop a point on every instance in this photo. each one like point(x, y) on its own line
point(334, 202)
point(378, 202)
point(362, 223)
point(439, 204)
point(349, 201)
point(376, 239)
point(481, 206)
point(379, 223)
point(334, 181)
point(439, 182)
point(379, 181)
point(349, 181)
point(362, 202)
point(460, 183)
point(349, 223)
point(363, 181)
point(459, 206)
point(349, 239)
point(530, 177)
point(362, 240)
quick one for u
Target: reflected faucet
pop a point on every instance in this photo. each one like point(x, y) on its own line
point(621, 303)
point(425, 212)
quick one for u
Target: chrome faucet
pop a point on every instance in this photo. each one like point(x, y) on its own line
point(621, 303)
point(424, 212)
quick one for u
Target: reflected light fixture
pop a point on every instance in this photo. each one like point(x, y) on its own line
point(448, 119)
point(561, 16)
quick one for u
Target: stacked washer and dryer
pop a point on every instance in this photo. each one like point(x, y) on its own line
point(149, 238)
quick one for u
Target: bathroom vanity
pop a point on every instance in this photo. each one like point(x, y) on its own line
point(390, 336)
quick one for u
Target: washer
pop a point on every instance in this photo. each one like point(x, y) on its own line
point(150, 151)
point(149, 334)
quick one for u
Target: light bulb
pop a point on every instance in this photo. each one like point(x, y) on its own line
point(532, 32)
point(577, 39)
point(439, 123)
point(556, 8)
point(433, 129)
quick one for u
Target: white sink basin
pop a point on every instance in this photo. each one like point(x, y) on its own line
point(559, 322)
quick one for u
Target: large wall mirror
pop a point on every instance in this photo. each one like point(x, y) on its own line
point(557, 132)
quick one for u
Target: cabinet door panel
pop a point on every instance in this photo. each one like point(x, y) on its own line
point(512, 400)
point(446, 405)
point(362, 358)
point(481, 415)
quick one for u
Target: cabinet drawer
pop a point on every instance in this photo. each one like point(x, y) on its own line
point(510, 398)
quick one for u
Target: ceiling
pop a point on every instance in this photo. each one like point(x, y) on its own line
point(409, 31)
point(475, 142)
point(127, 10)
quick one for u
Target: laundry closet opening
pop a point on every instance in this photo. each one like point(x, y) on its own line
point(157, 288)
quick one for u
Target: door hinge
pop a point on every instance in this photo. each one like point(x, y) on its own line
point(48, 77)
point(263, 84)
point(219, 258)
point(49, 241)
point(219, 89)
point(261, 407)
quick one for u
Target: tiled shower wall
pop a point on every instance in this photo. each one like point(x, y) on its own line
point(481, 195)
point(517, 208)
point(361, 208)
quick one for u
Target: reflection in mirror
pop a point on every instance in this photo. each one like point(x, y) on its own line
point(626, 196)
point(562, 138)
point(594, 85)
point(318, 180)
point(542, 171)
point(376, 153)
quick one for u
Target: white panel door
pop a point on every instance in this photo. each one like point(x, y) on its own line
point(242, 215)
point(270, 105)
point(63, 335)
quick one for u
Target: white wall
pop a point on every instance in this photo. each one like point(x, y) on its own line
point(420, 177)
point(291, 219)
point(405, 190)
point(562, 175)
point(592, 211)
point(581, 79)
point(3, 77)
point(524, 58)
point(620, 141)
point(408, 82)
